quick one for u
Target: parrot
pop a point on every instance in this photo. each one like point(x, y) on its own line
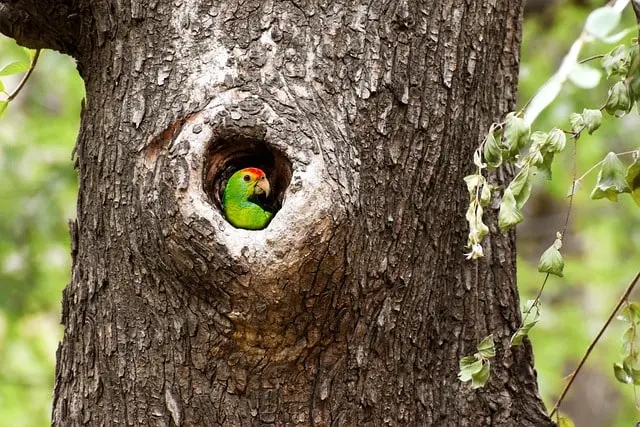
point(244, 199)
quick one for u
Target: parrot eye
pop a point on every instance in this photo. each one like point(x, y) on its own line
point(246, 178)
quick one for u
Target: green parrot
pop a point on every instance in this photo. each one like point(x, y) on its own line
point(244, 197)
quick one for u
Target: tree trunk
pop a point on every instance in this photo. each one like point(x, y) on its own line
point(355, 304)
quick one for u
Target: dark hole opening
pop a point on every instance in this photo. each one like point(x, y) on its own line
point(230, 151)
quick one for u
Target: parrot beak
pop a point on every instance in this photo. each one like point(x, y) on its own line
point(262, 187)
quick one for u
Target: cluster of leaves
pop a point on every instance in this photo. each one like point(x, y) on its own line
point(512, 142)
point(477, 368)
point(506, 140)
point(613, 179)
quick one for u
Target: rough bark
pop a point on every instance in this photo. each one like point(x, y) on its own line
point(354, 306)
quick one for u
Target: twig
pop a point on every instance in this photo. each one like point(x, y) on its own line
point(32, 66)
point(564, 229)
point(537, 298)
point(476, 291)
point(574, 172)
point(591, 58)
point(622, 300)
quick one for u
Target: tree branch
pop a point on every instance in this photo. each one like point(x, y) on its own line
point(31, 24)
point(621, 301)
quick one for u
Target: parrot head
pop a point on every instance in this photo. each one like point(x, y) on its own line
point(244, 199)
point(250, 182)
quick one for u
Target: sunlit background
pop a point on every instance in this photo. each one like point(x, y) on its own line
point(37, 197)
point(602, 248)
point(38, 192)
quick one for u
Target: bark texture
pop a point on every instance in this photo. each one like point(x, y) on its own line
point(354, 306)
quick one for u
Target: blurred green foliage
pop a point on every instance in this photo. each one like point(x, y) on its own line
point(37, 197)
point(37, 136)
point(601, 248)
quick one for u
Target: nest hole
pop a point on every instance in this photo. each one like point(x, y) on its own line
point(229, 152)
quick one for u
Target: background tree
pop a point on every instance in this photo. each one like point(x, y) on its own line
point(356, 303)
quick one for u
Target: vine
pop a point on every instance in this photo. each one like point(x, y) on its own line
point(512, 142)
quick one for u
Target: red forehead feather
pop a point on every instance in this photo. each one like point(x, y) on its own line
point(254, 171)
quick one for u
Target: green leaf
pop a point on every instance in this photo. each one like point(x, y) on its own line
point(630, 366)
point(538, 139)
point(544, 169)
point(518, 336)
point(3, 107)
point(519, 181)
point(602, 21)
point(564, 421)
point(585, 76)
point(2, 88)
point(478, 229)
point(492, 151)
point(629, 339)
point(619, 100)
point(469, 365)
point(632, 176)
point(635, 376)
point(525, 192)
point(530, 316)
point(592, 119)
point(473, 182)
point(621, 375)
point(534, 156)
point(509, 214)
point(516, 133)
point(14, 68)
point(485, 195)
point(487, 348)
point(577, 122)
point(627, 372)
point(617, 61)
point(611, 179)
point(631, 313)
point(556, 141)
point(521, 186)
point(551, 261)
point(471, 220)
point(480, 378)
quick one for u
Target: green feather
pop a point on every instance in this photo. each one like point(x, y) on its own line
point(240, 202)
